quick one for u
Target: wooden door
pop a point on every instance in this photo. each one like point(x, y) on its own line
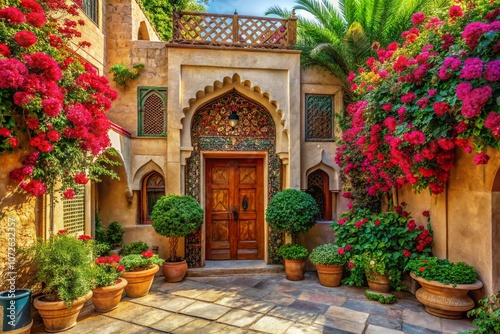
point(234, 209)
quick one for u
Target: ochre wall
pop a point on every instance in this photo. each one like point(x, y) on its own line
point(465, 218)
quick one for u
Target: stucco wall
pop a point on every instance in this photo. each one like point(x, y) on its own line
point(465, 217)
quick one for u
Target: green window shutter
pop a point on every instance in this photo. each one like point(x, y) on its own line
point(319, 118)
point(152, 107)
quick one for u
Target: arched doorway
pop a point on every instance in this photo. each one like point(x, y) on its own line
point(251, 142)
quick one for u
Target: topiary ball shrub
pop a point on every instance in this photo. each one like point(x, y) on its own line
point(176, 216)
point(292, 211)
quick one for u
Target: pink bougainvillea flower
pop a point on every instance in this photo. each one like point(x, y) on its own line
point(481, 158)
point(440, 108)
point(12, 15)
point(25, 38)
point(341, 251)
point(473, 68)
point(493, 123)
point(69, 193)
point(5, 50)
point(492, 71)
point(36, 19)
point(418, 18)
point(472, 32)
point(81, 179)
point(456, 11)
point(409, 97)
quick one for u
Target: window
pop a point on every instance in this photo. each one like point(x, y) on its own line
point(319, 118)
point(74, 212)
point(152, 102)
point(152, 189)
point(318, 188)
point(90, 8)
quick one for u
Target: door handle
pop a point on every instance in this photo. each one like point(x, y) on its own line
point(235, 212)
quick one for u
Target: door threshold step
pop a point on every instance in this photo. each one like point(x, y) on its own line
point(236, 267)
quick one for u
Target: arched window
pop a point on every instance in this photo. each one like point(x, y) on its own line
point(152, 103)
point(318, 188)
point(153, 187)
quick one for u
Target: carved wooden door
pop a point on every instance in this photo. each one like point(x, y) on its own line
point(234, 209)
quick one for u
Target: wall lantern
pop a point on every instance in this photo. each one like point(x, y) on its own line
point(233, 119)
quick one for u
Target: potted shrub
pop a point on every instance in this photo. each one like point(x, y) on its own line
point(140, 270)
point(329, 260)
point(379, 272)
point(445, 285)
point(64, 268)
point(175, 216)
point(136, 247)
point(108, 286)
point(295, 264)
point(292, 211)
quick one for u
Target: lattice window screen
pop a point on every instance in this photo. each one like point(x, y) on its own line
point(319, 117)
point(74, 212)
point(315, 189)
point(152, 107)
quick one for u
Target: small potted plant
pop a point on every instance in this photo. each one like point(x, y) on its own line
point(445, 285)
point(329, 260)
point(140, 270)
point(379, 272)
point(64, 267)
point(108, 286)
point(295, 264)
point(175, 216)
point(292, 211)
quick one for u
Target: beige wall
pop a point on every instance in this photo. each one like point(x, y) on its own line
point(465, 218)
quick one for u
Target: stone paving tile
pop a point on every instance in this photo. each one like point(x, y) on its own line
point(246, 304)
point(279, 298)
point(252, 293)
point(304, 329)
point(239, 318)
point(421, 319)
point(346, 314)
point(194, 326)
point(393, 323)
point(166, 302)
point(418, 330)
point(372, 329)
point(288, 290)
point(205, 310)
point(172, 322)
point(294, 314)
point(309, 306)
point(322, 298)
point(211, 295)
point(266, 285)
point(129, 312)
point(367, 306)
point(149, 317)
point(454, 326)
point(271, 325)
point(340, 324)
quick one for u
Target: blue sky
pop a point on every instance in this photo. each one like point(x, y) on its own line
point(246, 7)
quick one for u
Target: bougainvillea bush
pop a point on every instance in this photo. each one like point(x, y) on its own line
point(382, 242)
point(52, 105)
point(420, 100)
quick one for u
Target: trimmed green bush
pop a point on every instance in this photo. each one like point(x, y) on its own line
point(293, 252)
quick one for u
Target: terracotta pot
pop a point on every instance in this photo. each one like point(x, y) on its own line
point(329, 275)
point(378, 282)
point(444, 300)
point(57, 317)
point(174, 271)
point(107, 298)
point(294, 269)
point(139, 282)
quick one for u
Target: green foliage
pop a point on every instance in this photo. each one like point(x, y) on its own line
point(292, 211)
point(487, 316)
point(64, 267)
point(106, 271)
point(381, 298)
point(381, 242)
point(176, 216)
point(114, 234)
point(121, 74)
point(160, 13)
point(293, 252)
point(136, 247)
point(328, 255)
point(442, 271)
point(138, 262)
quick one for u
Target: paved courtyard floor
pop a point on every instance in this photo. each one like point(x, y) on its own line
point(260, 304)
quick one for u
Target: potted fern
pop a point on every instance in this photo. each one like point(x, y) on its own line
point(175, 216)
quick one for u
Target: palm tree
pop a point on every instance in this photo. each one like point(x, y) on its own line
point(339, 38)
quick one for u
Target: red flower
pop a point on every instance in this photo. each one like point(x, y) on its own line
point(121, 267)
point(62, 232)
point(36, 19)
point(350, 265)
point(406, 253)
point(426, 213)
point(4, 50)
point(441, 108)
point(421, 269)
point(481, 158)
point(456, 11)
point(418, 18)
point(81, 179)
point(69, 193)
point(25, 38)
point(348, 247)
point(407, 98)
point(341, 251)
point(84, 237)
point(147, 254)
point(377, 222)
point(12, 15)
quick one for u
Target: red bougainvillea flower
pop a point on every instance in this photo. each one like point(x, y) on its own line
point(12, 15)
point(406, 253)
point(34, 187)
point(69, 193)
point(492, 71)
point(62, 231)
point(36, 19)
point(81, 179)
point(456, 11)
point(25, 38)
point(418, 18)
point(426, 213)
point(481, 158)
point(84, 237)
point(493, 123)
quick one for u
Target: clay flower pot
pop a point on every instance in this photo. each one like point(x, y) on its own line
point(329, 275)
point(294, 269)
point(139, 282)
point(444, 300)
point(107, 298)
point(174, 271)
point(378, 282)
point(57, 317)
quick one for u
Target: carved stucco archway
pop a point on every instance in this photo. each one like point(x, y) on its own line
point(259, 130)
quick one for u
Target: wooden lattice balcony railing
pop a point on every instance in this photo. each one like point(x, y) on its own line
point(234, 30)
